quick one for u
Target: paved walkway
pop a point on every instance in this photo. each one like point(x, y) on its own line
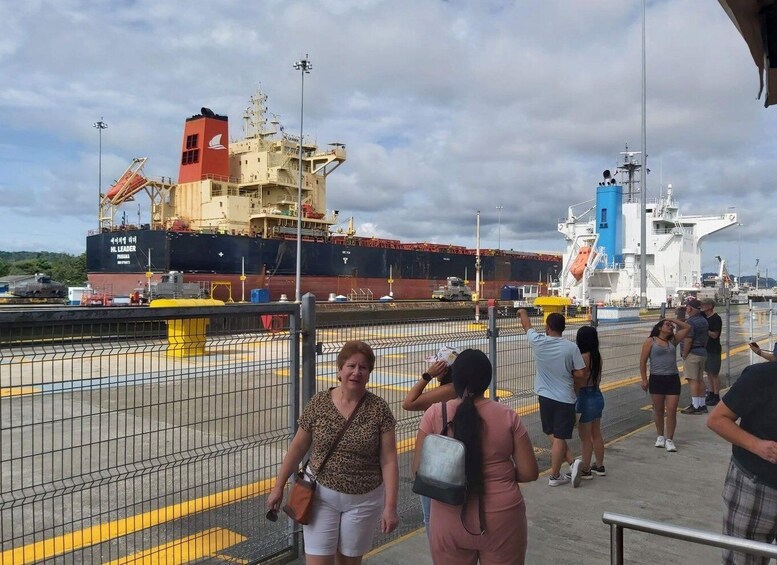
point(565, 524)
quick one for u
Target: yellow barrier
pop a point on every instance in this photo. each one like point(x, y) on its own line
point(186, 338)
point(551, 304)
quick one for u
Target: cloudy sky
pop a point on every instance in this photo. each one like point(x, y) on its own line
point(446, 108)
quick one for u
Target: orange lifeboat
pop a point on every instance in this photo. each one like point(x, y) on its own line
point(578, 267)
point(129, 183)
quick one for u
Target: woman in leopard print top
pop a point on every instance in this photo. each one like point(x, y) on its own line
point(359, 485)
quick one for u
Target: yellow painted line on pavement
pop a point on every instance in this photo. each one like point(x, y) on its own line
point(100, 533)
point(191, 548)
point(17, 391)
point(230, 559)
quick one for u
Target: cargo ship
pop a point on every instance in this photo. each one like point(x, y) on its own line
point(230, 221)
point(602, 258)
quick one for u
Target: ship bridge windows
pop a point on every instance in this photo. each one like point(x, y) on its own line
point(216, 190)
point(189, 157)
point(191, 141)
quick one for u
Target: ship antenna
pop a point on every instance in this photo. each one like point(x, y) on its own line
point(254, 119)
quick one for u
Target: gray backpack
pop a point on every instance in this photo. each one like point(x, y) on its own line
point(440, 473)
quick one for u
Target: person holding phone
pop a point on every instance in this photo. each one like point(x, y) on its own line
point(745, 418)
point(769, 356)
point(418, 400)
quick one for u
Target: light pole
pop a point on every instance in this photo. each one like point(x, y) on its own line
point(499, 227)
point(739, 256)
point(304, 66)
point(100, 125)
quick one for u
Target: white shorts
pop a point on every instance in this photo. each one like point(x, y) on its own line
point(343, 522)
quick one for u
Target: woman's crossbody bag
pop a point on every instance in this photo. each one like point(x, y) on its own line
point(300, 502)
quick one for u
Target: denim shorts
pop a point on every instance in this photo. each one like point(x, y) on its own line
point(590, 403)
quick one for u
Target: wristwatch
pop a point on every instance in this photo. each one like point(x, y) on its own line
point(427, 377)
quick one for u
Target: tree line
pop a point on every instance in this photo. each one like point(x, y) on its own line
point(61, 267)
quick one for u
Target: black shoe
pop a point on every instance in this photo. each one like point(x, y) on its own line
point(701, 410)
point(688, 410)
point(709, 397)
point(713, 401)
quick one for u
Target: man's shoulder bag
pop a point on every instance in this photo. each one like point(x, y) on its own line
point(440, 473)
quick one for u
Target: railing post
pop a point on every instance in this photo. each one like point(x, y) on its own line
point(594, 316)
point(308, 346)
point(295, 406)
point(616, 545)
point(728, 340)
point(493, 334)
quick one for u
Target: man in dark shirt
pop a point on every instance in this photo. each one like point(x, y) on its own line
point(750, 488)
point(712, 365)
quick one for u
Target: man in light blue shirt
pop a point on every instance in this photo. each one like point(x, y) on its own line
point(558, 363)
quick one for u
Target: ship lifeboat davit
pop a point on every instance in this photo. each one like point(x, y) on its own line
point(124, 188)
point(578, 265)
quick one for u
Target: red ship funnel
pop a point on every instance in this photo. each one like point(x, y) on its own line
point(205, 148)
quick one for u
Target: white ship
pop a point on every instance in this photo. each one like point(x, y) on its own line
point(601, 263)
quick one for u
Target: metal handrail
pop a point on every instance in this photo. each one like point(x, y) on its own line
point(619, 522)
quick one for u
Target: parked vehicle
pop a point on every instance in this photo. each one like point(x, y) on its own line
point(454, 289)
point(36, 286)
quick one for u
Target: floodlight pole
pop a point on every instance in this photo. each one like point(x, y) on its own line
point(477, 268)
point(304, 66)
point(100, 125)
point(739, 256)
point(499, 227)
point(643, 183)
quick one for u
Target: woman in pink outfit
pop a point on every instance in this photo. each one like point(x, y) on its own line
point(499, 455)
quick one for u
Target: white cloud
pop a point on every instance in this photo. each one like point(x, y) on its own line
point(445, 107)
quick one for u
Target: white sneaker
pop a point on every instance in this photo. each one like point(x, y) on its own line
point(670, 447)
point(661, 441)
point(576, 476)
point(562, 479)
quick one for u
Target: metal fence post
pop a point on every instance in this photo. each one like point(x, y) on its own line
point(616, 544)
point(662, 311)
point(493, 334)
point(308, 346)
point(751, 315)
point(294, 381)
point(728, 339)
point(594, 316)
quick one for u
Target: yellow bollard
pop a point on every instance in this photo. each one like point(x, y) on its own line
point(551, 304)
point(186, 337)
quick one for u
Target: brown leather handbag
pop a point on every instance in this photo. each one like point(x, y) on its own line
point(300, 502)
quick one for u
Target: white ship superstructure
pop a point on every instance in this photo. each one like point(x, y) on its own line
point(601, 263)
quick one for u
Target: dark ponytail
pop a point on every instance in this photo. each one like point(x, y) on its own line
point(588, 342)
point(466, 428)
point(471, 377)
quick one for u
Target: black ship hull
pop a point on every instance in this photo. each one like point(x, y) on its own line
point(124, 258)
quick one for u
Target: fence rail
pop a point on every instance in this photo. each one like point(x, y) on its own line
point(619, 522)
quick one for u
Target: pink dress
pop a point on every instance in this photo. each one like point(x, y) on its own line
point(505, 512)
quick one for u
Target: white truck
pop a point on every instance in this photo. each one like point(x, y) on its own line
point(454, 289)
